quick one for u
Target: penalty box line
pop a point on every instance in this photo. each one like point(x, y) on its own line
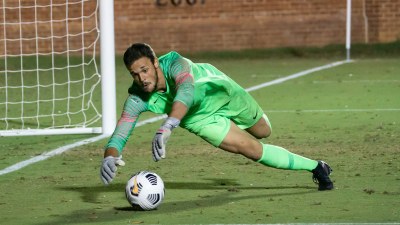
point(332, 110)
point(65, 148)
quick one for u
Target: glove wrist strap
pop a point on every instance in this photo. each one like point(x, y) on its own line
point(171, 123)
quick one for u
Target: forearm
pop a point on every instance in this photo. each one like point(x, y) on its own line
point(121, 135)
point(132, 108)
point(111, 151)
point(178, 110)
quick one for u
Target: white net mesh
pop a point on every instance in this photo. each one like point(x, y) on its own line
point(48, 69)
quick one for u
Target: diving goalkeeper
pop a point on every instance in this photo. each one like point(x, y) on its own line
point(200, 98)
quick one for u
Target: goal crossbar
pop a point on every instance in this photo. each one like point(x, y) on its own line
point(31, 132)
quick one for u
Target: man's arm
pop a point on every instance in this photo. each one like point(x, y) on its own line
point(111, 151)
point(133, 107)
point(178, 110)
point(184, 84)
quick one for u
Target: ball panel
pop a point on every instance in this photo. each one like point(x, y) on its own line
point(145, 189)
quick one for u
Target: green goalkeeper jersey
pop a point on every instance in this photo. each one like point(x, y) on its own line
point(200, 86)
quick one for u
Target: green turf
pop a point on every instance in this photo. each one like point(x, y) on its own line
point(348, 115)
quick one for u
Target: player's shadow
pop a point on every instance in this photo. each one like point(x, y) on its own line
point(215, 184)
point(230, 185)
point(233, 193)
point(91, 194)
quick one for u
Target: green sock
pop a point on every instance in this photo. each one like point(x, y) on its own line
point(280, 158)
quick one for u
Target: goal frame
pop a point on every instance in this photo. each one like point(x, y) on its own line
point(108, 84)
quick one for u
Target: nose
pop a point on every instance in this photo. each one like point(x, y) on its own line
point(142, 77)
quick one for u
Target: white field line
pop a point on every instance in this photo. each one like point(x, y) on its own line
point(332, 224)
point(60, 150)
point(331, 110)
point(47, 155)
point(296, 75)
point(354, 81)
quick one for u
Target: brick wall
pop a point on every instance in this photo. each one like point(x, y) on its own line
point(198, 25)
point(43, 29)
point(231, 24)
point(383, 20)
point(244, 24)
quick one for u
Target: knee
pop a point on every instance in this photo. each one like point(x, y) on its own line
point(262, 129)
point(260, 132)
point(263, 133)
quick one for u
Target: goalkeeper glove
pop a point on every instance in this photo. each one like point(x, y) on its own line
point(162, 136)
point(108, 169)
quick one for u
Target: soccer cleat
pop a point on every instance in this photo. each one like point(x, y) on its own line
point(321, 176)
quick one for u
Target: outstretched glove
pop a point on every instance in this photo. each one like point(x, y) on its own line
point(108, 168)
point(162, 136)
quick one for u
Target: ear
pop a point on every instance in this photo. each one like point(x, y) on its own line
point(156, 63)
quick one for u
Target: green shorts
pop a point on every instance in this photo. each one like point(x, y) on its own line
point(242, 110)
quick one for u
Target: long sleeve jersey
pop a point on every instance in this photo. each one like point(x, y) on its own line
point(200, 86)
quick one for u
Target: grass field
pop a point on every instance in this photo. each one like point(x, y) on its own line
point(348, 115)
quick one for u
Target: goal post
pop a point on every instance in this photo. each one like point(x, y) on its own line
point(108, 88)
point(348, 29)
point(50, 82)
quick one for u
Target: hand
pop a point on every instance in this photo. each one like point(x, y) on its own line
point(109, 168)
point(161, 138)
point(159, 142)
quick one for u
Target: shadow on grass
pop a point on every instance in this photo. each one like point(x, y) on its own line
point(91, 194)
point(231, 192)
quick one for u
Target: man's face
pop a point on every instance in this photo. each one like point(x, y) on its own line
point(144, 74)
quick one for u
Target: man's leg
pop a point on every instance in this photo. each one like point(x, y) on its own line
point(261, 129)
point(240, 142)
point(220, 131)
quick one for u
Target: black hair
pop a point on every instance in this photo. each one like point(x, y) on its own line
point(137, 51)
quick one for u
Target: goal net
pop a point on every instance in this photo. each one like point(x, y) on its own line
point(49, 77)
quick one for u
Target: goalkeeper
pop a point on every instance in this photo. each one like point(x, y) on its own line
point(200, 98)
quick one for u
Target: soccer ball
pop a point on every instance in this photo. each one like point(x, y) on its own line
point(145, 189)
